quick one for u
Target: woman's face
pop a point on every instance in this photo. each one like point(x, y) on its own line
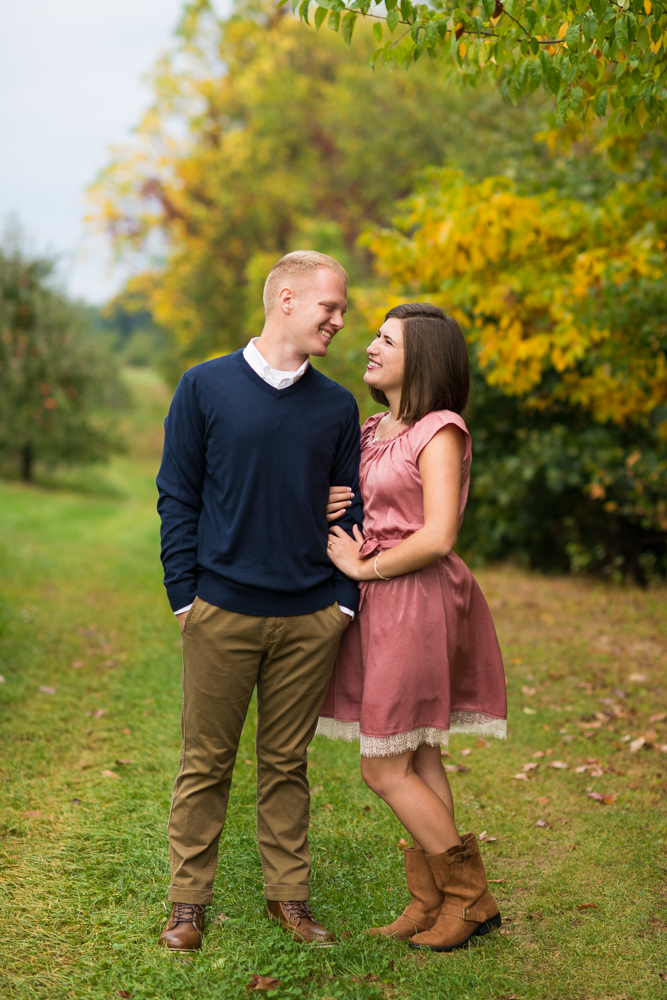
point(386, 357)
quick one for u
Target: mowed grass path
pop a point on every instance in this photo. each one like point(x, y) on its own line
point(86, 775)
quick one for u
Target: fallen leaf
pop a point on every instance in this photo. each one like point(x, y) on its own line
point(99, 713)
point(541, 822)
point(2, 679)
point(517, 660)
point(659, 925)
point(75, 802)
point(367, 809)
point(123, 760)
point(662, 748)
point(371, 977)
point(504, 931)
point(639, 678)
point(650, 735)
point(529, 711)
point(658, 718)
point(607, 800)
point(466, 752)
point(327, 805)
point(108, 774)
point(451, 768)
point(481, 742)
point(344, 935)
point(127, 732)
point(124, 994)
point(582, 769)
point(520, 777)
point(403, 844)
point(529, 767)
point(247, 762)
point(77, 664)
point(32, 814)
point(262, 983)
point(496, 880)
point(588, 906)
point(47, 690)
point(543, 800)
point(109, 663)
point(485, 839)
point(316, 789)
point(221, 918)
point(528, 691)
point(637, 744)
point(597, 772)
point(462, 770)
point(571, 847)
point(560, 765)
point(539, 753)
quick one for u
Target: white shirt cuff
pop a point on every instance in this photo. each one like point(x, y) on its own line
point(346, 611)
point(181, 610)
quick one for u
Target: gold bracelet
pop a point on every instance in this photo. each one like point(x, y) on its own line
point(377, 571)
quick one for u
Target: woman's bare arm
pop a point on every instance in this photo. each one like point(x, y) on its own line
point(440, 470)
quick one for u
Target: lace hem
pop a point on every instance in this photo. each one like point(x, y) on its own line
point(473, 723)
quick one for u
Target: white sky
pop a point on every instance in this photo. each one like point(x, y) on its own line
point(71, 86)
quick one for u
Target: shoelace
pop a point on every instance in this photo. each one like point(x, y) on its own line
point(300, 909)
point(186, 912)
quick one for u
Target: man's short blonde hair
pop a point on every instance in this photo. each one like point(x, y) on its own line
point(297, 267)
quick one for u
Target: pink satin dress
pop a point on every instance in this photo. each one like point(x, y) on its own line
point(421, 659)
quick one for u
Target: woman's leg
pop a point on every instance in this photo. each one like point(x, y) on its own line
point(427, 762)
point(422, 810)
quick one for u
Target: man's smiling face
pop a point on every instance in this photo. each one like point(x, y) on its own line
point(318, 307)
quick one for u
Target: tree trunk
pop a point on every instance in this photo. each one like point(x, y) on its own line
point(26, 463)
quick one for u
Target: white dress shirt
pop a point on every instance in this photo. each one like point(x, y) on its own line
point(279, 380)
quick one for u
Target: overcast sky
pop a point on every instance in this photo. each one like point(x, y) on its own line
point(71, 86)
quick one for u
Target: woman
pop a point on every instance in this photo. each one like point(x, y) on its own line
point(421, 659)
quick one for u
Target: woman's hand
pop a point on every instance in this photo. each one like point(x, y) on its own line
point(344, 554)
point(340, 498)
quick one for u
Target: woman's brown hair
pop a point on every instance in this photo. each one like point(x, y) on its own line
point(436, 375)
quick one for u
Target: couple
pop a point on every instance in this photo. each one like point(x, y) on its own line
point(384, 636)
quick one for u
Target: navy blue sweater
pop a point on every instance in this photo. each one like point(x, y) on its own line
point(243, 485)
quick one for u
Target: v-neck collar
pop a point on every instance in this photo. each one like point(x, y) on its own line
point(272, 391)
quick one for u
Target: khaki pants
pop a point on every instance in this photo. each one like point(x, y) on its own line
point(224, 656)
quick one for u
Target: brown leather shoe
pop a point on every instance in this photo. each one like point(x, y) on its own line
point(296, 917)
point(184, 927)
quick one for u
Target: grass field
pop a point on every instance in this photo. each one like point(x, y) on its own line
point(89, 717)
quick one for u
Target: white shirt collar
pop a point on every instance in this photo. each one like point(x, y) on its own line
point(274, 377)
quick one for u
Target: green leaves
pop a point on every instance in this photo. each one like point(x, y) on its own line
point(347, 28)
point(575, 49)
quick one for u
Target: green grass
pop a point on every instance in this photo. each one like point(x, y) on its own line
point(83, 884)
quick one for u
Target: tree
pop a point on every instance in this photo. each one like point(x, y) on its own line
point(59, 391)
point(565, 305)
point(592, 57)
point(264, 139)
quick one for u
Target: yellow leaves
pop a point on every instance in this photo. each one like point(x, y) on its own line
point(527, 273)
point(648, 6)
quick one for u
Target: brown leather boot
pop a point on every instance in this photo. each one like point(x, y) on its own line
point(184, 927)
point(297, 918)
point(469, 909)
point(424, 907)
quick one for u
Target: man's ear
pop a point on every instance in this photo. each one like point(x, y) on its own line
point(286, 300)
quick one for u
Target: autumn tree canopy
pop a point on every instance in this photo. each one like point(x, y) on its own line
point(593, 57)
point(565, 305)
point(264, 138)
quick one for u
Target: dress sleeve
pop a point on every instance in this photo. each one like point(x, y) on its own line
point(426, 428)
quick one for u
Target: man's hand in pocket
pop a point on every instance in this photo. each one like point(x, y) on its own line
point(181, 618)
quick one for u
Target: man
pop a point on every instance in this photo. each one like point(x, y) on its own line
point(253, 441)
